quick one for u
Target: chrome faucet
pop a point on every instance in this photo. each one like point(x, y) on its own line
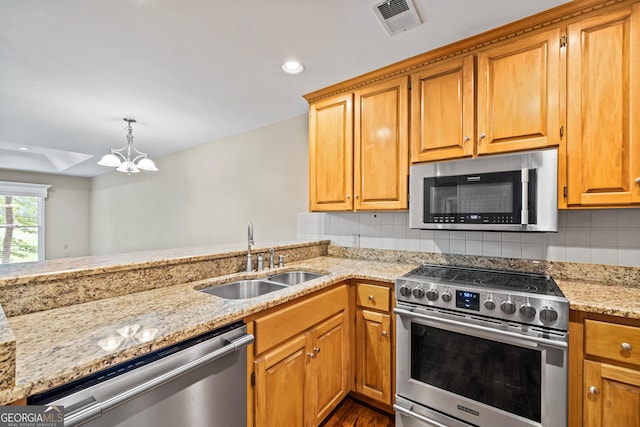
point(249, 243)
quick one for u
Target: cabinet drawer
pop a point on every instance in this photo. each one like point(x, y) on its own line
point(276, 327)
point(611, 341)
point(372, 296)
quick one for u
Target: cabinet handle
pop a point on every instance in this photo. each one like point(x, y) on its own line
point(384, 333)
point(625, 346)
point(355, 196)
point(347, 197)
point(311, 355)
point(593, 390)
point(482, 135)
point(465, 139)
point(316, 349)
point(371, 298)
point(638, 180)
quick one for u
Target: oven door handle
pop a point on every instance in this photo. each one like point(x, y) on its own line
point(526, 340)
point(410, 413)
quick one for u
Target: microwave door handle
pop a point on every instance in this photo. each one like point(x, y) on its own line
point(524, 214)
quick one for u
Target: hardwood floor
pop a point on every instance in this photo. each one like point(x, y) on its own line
point(353, 413)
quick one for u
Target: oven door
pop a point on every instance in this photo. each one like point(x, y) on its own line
point(479, 371)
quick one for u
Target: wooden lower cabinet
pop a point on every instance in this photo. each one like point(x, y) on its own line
point(373, 355)
point(301, 365)
point(604, 371)
point(327, 360)
point(280, 385)
point(611, 395)
point(374, 347)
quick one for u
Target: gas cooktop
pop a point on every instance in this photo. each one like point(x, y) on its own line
point(527, 298)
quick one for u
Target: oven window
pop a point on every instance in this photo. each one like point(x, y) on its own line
point(497, 374)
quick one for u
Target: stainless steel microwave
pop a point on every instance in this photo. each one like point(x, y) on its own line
point(506, 192)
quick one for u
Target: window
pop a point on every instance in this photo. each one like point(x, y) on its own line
point(22, 221)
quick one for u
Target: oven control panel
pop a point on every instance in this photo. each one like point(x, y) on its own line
point(522, 307)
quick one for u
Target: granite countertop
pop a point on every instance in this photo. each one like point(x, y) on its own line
point(63, 344)
point(620, 300)
point(59, 345)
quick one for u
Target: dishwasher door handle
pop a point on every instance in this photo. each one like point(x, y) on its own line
point(98, 408)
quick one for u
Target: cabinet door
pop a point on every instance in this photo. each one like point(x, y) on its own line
point(443, 111)
point(603, 106)
point(381, 147)
point(519, 94)
point(611, 395)
point(331, 154)
point(328, 368)
point(373, 355)
point(281, 384)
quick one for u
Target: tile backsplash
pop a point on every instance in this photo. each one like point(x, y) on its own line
point(608, 236)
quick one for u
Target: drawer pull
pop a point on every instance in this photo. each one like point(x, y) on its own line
point(593, 390)
point(371, 298)
point(384, 333)
point(316, 349)
point(311, 355)
point(625, 346)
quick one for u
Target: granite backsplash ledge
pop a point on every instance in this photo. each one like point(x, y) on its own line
point(607, 274)
point(44, 286)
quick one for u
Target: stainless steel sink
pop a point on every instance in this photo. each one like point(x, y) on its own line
point(294, 277)
point(243, 289)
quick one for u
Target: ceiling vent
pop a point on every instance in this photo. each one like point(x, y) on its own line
point(396, 16)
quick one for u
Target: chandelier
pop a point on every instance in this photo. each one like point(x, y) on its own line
point(127, 159)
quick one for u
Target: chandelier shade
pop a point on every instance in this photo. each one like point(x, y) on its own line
point(127, 159)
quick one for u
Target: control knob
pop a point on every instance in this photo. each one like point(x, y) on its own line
point(548, 314)
point(489, 304)
point(432, 294)
point(418, 292)
point(527, 311)
point(405, 290)
point(507, 306)
point(446, 296)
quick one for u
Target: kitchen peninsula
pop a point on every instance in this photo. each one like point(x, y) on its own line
point(46, 344)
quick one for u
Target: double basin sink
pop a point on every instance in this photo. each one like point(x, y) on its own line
point(243, 289)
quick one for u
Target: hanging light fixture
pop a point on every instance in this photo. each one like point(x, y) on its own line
point(122, 158)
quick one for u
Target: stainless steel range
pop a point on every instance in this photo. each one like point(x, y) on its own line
point(480, 347)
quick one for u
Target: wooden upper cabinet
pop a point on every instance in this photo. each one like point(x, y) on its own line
point(442, 111)
point(519, 94)
point(381, 148)
point(359, 149)
point(603, 109)
point(331, 154)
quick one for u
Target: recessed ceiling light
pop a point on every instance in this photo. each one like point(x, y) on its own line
point(292, 67)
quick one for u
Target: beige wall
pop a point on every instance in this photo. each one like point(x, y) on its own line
point(208, 194)
point(67, 212)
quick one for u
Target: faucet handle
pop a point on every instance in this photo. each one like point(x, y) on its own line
point(281, 260)
point(272, 252)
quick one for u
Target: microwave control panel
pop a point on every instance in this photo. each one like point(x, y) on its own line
point(475, 219)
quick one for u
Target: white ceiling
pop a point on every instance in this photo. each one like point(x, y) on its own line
point(191, 71)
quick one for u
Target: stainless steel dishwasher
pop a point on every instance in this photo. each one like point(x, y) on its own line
point(198, 382)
